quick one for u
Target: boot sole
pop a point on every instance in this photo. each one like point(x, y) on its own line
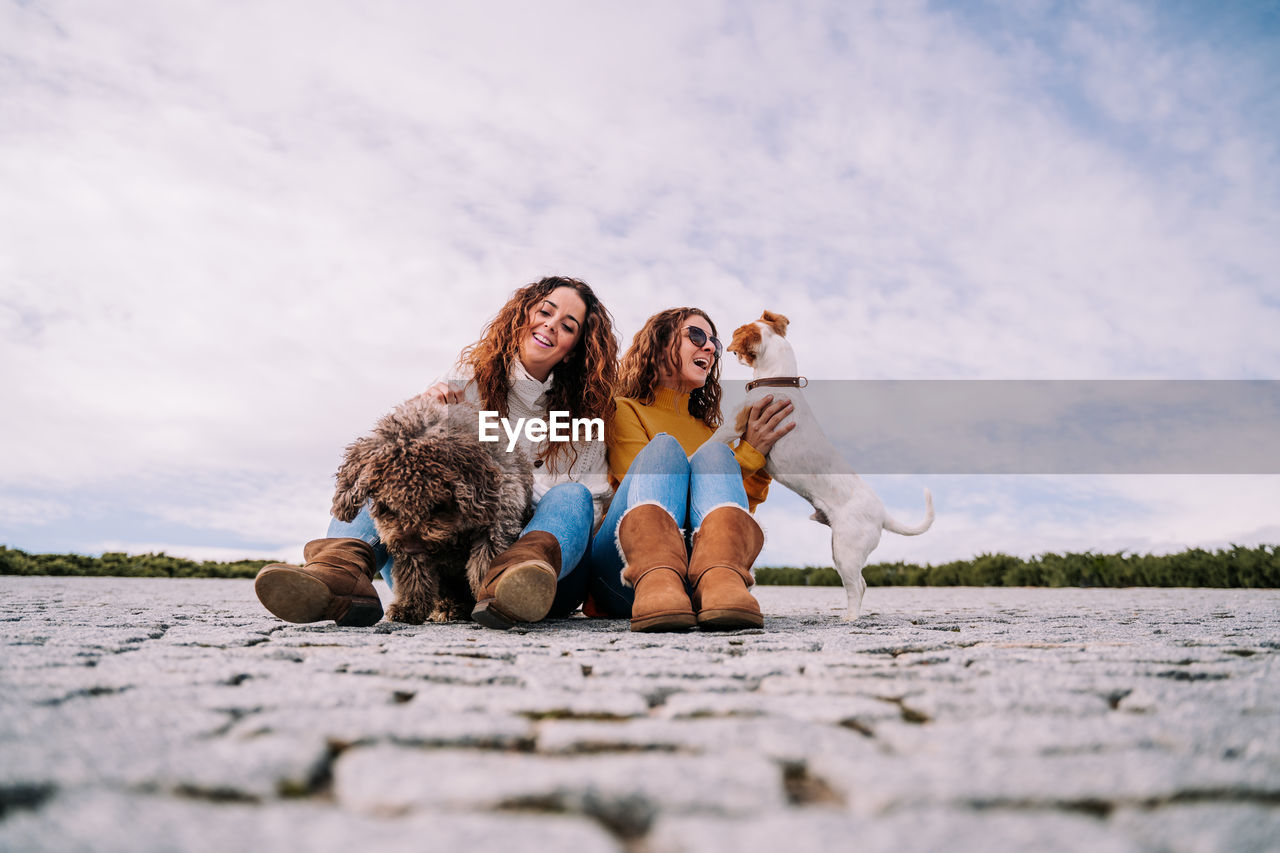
point(729, 620)
point(524, 593)
point(491, 617)
point(295, 596)
point(664, 622)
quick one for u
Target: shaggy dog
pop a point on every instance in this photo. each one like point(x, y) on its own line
point(444, 503)
point(806, 462)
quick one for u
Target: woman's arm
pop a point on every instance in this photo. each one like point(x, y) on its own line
point(453, 387)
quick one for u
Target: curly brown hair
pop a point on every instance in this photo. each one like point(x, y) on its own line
point(657, 346)
point(583, 385)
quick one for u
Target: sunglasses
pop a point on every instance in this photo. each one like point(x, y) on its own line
point(700, 339)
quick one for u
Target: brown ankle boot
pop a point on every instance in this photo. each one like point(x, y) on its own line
point(334, 584)
point(724, 548)
point(656, 563)
point(521, 583)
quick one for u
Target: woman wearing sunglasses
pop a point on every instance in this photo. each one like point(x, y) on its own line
point(670, 479)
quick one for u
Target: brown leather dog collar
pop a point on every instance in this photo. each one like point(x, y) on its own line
point(778, 382)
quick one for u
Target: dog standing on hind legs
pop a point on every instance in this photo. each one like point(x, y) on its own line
point(841, 499)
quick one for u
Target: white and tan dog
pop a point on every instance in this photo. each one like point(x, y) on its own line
point(840, 498)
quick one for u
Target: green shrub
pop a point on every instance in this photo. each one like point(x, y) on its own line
point(1237, 566)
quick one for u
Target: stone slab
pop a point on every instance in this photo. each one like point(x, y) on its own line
point(148, 714)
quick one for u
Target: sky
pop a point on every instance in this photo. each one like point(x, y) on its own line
point(232, 235)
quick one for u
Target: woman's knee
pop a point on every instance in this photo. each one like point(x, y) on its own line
point(663, 454)
point(571, 493)
point(565, 510)
point(576, 499)
point(714, 457)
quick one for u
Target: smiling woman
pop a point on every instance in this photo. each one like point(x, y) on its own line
point(550, 353)
point(670, 478)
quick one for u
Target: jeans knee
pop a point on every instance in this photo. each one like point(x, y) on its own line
point(714, 457)
point(571, 501)
point(569, 491)
point(579, 497)
point(664, 454)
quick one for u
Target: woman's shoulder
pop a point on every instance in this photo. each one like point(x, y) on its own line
point(629, 405)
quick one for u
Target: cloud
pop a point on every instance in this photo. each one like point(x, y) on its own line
point(234, 236)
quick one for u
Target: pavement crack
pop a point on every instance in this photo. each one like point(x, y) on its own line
point(86, 692)
point(1115, 697)
point(806, 789)
point(24, 795)
point(858, 726)
point(1103, 808)
point(319, 782)
point(216, 794)
point(627, 818)
point(909, 714)
point(1183, 675)
point(236, 714)
point(567, 714)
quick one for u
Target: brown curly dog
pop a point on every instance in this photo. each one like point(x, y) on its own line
point(444, 503)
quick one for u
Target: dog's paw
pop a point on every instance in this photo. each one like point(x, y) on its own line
point(450, 611)
point(408, 614)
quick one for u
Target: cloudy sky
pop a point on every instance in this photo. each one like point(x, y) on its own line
point(234, 234)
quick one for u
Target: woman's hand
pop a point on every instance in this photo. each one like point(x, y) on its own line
point(441, 392)
point(765, 423)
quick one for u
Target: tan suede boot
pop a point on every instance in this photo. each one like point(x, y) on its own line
point(656, 563)
point(334, 584)
point(521, 582)
point(724, 548)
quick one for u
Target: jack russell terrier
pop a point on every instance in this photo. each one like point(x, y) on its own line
point(840, 498)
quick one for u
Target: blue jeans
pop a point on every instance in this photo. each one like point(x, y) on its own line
point(361, 527)
point(689, 488)
point(565, 511)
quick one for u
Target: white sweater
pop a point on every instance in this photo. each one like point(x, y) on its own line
point(528, 399)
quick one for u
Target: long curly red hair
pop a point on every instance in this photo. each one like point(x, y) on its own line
point(655, 350)
point(583, 385)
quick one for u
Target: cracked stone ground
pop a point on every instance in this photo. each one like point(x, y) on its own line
point(147, 715)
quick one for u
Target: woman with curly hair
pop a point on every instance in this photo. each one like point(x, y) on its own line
point(550, 348)
point(669, 479)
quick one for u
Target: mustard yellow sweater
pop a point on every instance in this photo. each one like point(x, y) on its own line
point(637, 423)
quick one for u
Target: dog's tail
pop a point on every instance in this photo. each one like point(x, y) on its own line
point(894, 526)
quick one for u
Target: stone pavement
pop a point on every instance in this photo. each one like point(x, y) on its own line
point(143, 715)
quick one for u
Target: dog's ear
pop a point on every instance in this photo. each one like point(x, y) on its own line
point(777, 322)
point(745, 343)
point(352, 489)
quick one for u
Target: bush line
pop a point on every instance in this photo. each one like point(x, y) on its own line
point(1229, 568)
point(114, 564)
point(1237, 566)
